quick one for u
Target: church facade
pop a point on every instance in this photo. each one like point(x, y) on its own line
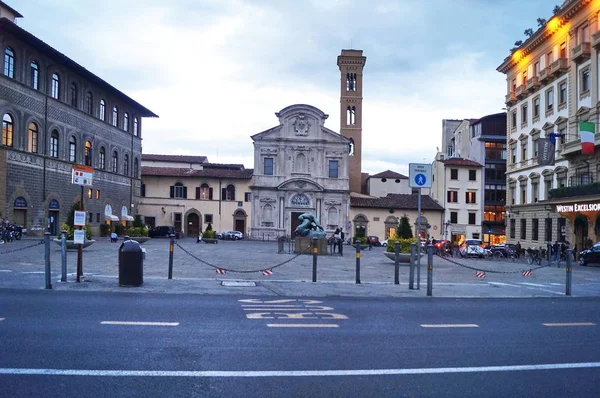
point(300, 166)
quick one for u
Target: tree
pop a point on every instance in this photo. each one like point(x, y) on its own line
point(137, 221)
point(541, 22)
point(556, 10)
point(528, 32)
point(404, 229)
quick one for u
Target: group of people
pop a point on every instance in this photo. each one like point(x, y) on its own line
point(338, 241)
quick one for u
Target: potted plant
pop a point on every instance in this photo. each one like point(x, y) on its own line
point(209, 236)
point(405, 238)
point(70, 228)
point(138, 231)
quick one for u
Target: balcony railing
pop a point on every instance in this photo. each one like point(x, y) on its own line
point(559, 66)
point(582, 52)
point(533, 83)
point(580, 184)
point(521, 91)
point(545, 75)
point(511, 98)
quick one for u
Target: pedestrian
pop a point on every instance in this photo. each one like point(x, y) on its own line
point(114, 237)
point(336, 239)
point(555, 250)
point(341, 242)
point(518, 249)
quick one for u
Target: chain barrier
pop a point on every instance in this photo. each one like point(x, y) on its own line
point(491, 271)
point(23, 248)
point(307, 250)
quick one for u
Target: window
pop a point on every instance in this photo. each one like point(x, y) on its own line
point(513, 86)
point(135, 127)
point(536, 107)
point(549, 100)
point(115, 162)
point(126, 121)
point(523, 194)
point(228, 193)
point(550, 58)
point(54, 144)
point(512, 229)
point(35, 75)
point(535, 229)
point(268, 166)
point(247, 196)
point(472, 175)
point(524, 113)
point(536, 145)
point(563, 50)
point(72, 149)
point(208, 218)
point(472, 218)
point(333, 169)
point(561, 233)
point(585, 81)
point(102, 159)
point(454, 174)
point(142, 189)
point(470, 197)
point(55, 86)
point(562, 181)
point(136, 168)
point(523, 151)
point(89, 103)
point(562, 93)
point(351, 116)
point(523, 228)
point(97, 217)
point(9, 63)
point(90, 193)
point(513, 119)
point(88, 154)
point(454, 217)
point(204, 192)
point(534, 191)
point(126, 165)
point(548, 184)
point(536, 69)
point(452, 196)
point(350, 81)
point(74, 95)
point(115, 116)
point(178, 191)
point(513, 155)
point(7, 130)
point(102, 113)
point(32, 138)
point(585, 34)
point(90, 217)
point(548, 230)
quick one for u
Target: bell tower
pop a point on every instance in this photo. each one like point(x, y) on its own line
point(351, 64)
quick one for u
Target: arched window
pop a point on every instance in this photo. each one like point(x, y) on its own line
point(179, 191)
point(136, 168)
point(89, 103)
point(72, 149)
point(351, 116)
point(88, 153)
point(54, 144)
point(32, 139)
point(115, 116)
point(7, 130)
point(350, 81)
point(102, 158)
point(74, 96)
point(9, 63)
point(35, 75)
point(126, 165)
point(300, 166)
point(230, 192)
point(136, 132)
point(126, 121)
point(55, 86)
point(205, 192)
point(102, 114)
point(115, 162)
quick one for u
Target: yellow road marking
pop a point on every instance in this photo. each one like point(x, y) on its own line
point(301, 325)
point(140, 323)
point(451, 325)
point(569, 324)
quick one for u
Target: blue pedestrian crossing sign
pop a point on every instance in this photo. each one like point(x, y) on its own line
point(419, 175)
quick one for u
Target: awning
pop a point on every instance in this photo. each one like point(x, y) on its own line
point(126, 218)
point(110, 217)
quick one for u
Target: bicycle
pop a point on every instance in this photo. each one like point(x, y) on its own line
point(510, 255)
point(534, 257)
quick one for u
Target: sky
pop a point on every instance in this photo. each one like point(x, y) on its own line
point(216, 71)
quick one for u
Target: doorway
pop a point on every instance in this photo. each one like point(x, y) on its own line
point(239, 221)
point(295, 222)
point(581, 231)
point(193, 224)
point(53, 222)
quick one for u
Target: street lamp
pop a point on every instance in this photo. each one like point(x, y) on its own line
point(446, 225)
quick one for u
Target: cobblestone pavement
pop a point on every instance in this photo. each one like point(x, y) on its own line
point(22, 266)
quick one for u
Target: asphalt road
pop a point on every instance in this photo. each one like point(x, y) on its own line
point(75, 344)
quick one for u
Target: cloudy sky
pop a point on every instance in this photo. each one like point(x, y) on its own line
point(216, 71)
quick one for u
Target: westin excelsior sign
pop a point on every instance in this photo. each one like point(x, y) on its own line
point(577, 207)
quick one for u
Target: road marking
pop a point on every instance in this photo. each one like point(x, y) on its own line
point(5, 270)
point(292, 373)
point(1, 319)
point(302, 325)
point(533, 284)
point(569, 324)
point(140, 323)
point(33, 272)
point(502, 284)
point(450, 325)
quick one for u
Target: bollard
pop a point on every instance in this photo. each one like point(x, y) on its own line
point(314, 250)
point(569, 273)
point(47, 257)
point(411, 275)
point(63, 255)
point(171, 248)
point(358, 262)
point(429, 270)
point(397, 263)
point(341, 247)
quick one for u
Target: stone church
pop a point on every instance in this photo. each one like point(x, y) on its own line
point(299, 166)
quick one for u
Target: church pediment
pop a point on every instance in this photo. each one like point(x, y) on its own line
point(300, 184)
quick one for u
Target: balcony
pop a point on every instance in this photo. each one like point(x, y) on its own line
point(510, 98)
point(580, 184)
point(545, 75)
point(521, 91)
point(533, 84)
point(582, 52)
point(559, 67)
point(596, 40)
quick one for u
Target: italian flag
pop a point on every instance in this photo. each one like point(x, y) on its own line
point(586, 134)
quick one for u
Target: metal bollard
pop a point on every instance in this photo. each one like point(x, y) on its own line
point(429, 270)
point(63, 255)
point(47, 258)
point(569, 273)
point(411, 275)
point(397, 263)
point(358, 262)
point(314, 250)
point(171, 248)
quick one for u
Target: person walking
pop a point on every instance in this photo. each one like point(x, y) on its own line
point(336, 239)
point(341, 242)
point(555, 250)
point(518, 249)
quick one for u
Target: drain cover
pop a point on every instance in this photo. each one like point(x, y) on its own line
point(238, 284)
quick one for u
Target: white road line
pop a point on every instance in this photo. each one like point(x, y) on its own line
point(502, 284)
point(5, 270)
point(33, 272)
point(293, 373)
point(533, 284)
point(302, 325)
point(569, 324)
point(140, 323)
point(1, 319)
point(451, 325)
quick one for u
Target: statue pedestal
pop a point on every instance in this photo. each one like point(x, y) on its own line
point(303, 244)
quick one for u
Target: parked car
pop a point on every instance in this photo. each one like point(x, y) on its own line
point(232, 235)
point(590, 256)
point(373, 240)
point(162, 231)
point(472, 247)
point(384, 243)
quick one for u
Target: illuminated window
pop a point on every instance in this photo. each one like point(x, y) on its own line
point(88, 153)
point(7, 130)
point(90, 191)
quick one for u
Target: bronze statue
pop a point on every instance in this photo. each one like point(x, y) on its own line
point(309, 227)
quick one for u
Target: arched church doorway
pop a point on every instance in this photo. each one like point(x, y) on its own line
point(239, 221)
point(193, 224)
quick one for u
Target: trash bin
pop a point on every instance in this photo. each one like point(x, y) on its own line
point(131, 264)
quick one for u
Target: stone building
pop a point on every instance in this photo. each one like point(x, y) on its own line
point(299, 166)
point(56, 114)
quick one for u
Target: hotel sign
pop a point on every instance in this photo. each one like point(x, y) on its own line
point(574, 208)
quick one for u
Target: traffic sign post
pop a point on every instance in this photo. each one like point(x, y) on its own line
point(419, 176)
point(83, 176)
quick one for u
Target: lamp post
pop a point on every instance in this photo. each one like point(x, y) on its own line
point(446, 225)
